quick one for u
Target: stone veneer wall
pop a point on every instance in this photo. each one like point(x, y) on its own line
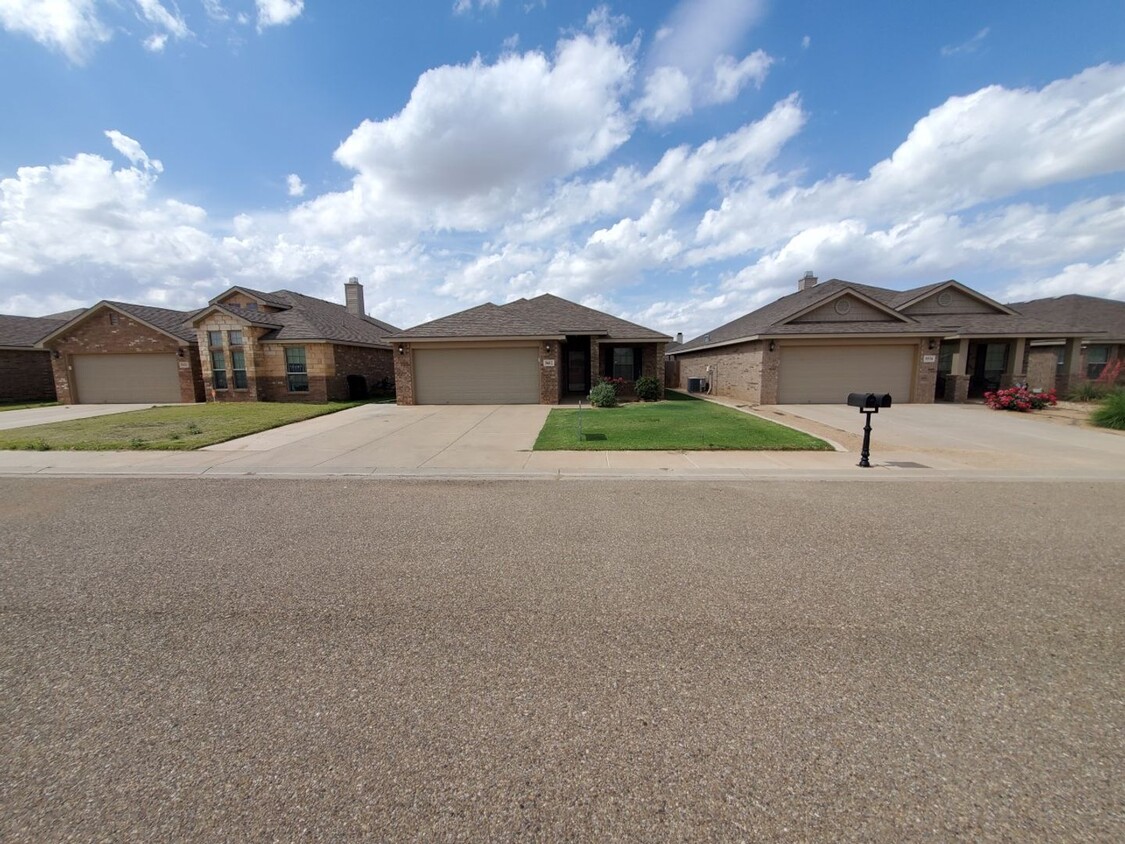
point(95, 335)
point(549, 382)
point(26, 376)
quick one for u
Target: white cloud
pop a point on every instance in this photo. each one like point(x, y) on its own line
point(156, 43)
point(806, 42)
point(1104, 279)
point(506, 129)
point(278, 12)
point(732, 76)
point(169, 23)
point(70, 26)
point(215, 10)
point(970, 46)
point(689, 62)
point(463, 7)
point(132, 150)
point(295, 185)
point(667, 96)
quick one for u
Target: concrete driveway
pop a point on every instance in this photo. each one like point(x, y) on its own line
point(960, 436)
point(389, 436)
point(62, 413)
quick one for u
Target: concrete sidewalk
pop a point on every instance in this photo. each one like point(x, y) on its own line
point(62, 413)
point(918, 442)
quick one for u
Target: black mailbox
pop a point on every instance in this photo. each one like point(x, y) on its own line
point(869, 401)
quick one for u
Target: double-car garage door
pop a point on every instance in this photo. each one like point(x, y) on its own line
point(477, 376)
point(826, 374)
point(126, 379)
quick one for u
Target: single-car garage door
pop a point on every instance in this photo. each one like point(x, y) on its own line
point(826, 374)
point(476, 376)
point(126, 379)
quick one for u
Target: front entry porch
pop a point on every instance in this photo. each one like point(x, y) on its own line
point(968, 367)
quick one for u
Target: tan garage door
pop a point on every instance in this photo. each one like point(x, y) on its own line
point(126, 379)
point(826, 374)
point(476, 376)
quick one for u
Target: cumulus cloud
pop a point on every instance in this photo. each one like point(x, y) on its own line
point(689, 62)
point(70, 26)
point(477, 140)
point(278, 12)
point(667, 96)
point(295, 185)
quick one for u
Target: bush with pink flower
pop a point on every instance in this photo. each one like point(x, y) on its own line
point(1020, 399)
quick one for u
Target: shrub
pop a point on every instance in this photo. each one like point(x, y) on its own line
point(1019, 399)
point(1087, 391)
point(647, 388)
point(603, 395)
point(1111, 412)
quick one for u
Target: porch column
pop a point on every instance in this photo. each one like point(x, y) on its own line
point(1072, 365)
point(957, 381)
point(595, 363)
point(1015, 372)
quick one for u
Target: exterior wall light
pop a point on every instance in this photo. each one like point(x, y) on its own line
point(773, 345)
point(401, 349)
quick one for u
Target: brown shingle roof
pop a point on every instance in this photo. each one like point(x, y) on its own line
point(308, 318)
point(25, 331)
point(174, 322)
point(1090, 315)
point(771, 319)
point(543, 316)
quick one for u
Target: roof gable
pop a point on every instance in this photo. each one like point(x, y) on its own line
point(174, 324)
point(846, 304)
point(948, 297)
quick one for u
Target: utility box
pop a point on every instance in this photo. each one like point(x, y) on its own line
point(696, 385)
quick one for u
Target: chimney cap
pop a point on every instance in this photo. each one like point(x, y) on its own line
point(353, 279)
point(809, 274)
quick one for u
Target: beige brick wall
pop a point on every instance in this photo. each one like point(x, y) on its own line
point(737, 371)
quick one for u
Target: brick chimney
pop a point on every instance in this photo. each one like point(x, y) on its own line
point(353, 297)
point(808, 281)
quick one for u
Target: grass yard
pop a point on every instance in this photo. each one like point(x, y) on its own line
point(679, 423)
point(178, 428)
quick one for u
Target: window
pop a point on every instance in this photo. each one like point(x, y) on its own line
point(623, 364)
point(238, 368)
point(1096, 359)
point(234, 338)
point(296, 369)
point(112, 318)
point(218, 369)
point(251, 306)
point(215, 339)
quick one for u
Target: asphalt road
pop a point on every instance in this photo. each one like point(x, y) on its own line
point(287, 660)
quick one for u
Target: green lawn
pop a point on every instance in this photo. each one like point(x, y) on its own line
point(26, 405)
point(679, 423)
point(181, 427)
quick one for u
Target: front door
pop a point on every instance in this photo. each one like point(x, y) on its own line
point(576, 368)
point(988, 366)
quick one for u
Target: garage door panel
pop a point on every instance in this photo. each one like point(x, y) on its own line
point(476, 376)
point(126, 379)
point(826, 374)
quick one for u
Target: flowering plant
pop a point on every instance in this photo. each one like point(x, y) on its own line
point(1019, 399)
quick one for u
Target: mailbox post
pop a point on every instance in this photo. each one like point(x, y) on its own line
point(868, 403)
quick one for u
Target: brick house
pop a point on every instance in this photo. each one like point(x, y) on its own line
point(117, 352)
point(531, 351)
point(824, 341)
point(285, 346)
point(25, 369)
point(1102, 323)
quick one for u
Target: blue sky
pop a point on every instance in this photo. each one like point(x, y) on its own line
point(678, 163)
